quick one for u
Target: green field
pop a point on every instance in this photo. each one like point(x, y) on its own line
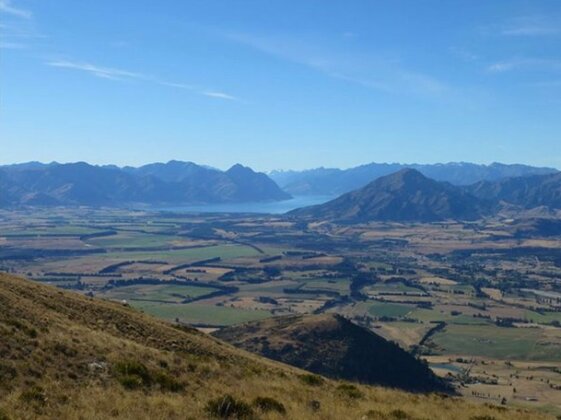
point(180, 256)
point(431, 315)
point(133, 240)
point(394, 310)
point(394, 288)
point(499, 343)
point(339, 285)
point(158, 292)
point(546, 318)
point(199, 313)
point(50, 230)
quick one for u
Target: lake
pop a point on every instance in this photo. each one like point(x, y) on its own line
point(270, 207)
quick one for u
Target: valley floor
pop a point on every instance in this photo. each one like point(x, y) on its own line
point(479, 301)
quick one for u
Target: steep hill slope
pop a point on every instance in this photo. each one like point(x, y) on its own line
point(528, 192)
point(66, 356)
point(406, 195)
point(332, 346)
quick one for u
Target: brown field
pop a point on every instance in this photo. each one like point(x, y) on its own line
point(437, 280)
point(470, 276)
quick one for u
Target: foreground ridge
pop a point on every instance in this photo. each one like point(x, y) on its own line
point(68, 356)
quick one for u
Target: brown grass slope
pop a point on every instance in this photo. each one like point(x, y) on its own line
point(66, 356)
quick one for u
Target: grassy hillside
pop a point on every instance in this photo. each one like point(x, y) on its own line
point(66, 356)
point(332, 346)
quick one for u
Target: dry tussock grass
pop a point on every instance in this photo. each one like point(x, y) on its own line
point(62, 356)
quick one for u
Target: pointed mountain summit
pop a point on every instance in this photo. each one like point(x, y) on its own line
point(406, 195)
point(250, 183)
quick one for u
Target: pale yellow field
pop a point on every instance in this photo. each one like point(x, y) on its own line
point(438, 280)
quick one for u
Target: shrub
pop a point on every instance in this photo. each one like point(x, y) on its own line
point(350, 391)
point(313, 380)
point(64, 349)
point(7, 372)
point(314, 405)
point(399, 414)
point(3, 415)
point(227, 407)
point(168, 383)
point(374, 414)
point(496, 407)
point(35, 394)
point(132, 374)
point(132, 367)
point(267, 404)
point(130, 381)
point(29, 331)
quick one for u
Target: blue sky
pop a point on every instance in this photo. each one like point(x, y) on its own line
point(280, 83)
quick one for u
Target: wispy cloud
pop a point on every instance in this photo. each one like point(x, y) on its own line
point(531, 26)
point(538, 64)
point(177, 85)
point(383, 73)
point(103, 72)
point(220, 95)
point(125, 75)
point(20, 32)
point(15, 30)
point(6, 6)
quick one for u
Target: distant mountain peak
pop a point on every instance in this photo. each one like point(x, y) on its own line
point(239, 168)
point(174, 162)
point(406, 195)
point(408, 174)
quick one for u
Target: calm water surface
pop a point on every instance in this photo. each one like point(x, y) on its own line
point(271, 207)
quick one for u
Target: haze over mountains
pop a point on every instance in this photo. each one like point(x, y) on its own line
point(408, 195)
point(332, 181)
point(170, 183)
point(528, 192)
point(433, 192)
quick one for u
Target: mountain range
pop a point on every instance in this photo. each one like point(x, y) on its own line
point(331, 181)
point(159, 183)
point(408, 195)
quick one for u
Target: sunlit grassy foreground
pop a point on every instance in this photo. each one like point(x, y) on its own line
point(68, 357)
